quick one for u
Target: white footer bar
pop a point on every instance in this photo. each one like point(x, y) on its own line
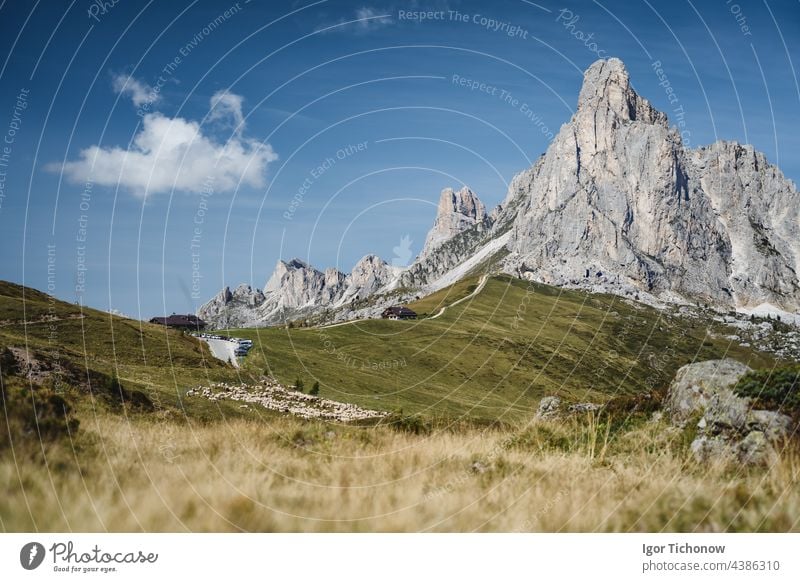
point(401, 557)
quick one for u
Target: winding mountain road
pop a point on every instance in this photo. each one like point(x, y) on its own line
point(478, 289)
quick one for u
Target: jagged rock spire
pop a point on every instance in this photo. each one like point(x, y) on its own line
point(457, 212)
point(607, 90)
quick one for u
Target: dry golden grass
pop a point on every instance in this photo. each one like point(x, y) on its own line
point(283, 474)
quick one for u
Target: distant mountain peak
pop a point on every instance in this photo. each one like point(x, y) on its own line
point(457, 211)
point(616, 204)
point(617, 194)
point(607, 89)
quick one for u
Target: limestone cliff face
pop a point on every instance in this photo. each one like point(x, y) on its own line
point(760, 210)
point(232, 308)
point(370, 275)
point(617, 197)
point(460, 227)
point(457, 212)
point(296, 289)
point(616, 202)
point(296, 284)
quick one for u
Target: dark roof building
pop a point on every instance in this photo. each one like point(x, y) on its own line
point(398, 312)
point(180, 321)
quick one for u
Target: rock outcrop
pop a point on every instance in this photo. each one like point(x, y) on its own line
point(618, 200)
point(728, 427)
point(370, 275)
point(760, 210)
point(296, 289)
point(232, 308)
point(617, 204)
point(457, 212)
point(297, 284)
point(550, 407)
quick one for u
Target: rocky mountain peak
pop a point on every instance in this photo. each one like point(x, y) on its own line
point(369, 274)
point(334, 277)
point(616, 204)
point(369, 263)
point(285, 270)
point(619, 203)
point(607, 90)
point(296, 264)
point(463, 203)
point(458, 211)
point(223, 296)
point(244, 293)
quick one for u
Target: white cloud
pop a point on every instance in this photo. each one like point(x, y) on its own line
point(365, 19)
point(139, 91)
point(371, 19)
point(225, 104)
point(174, 153)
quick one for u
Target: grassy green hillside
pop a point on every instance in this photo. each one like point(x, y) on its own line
point(75, 457)
point(83, 350)
point(495, 355)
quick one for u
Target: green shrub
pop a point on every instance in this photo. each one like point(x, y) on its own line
point(627, 410)
point(778, 388)
point(299, 385)
point(314, 389)
point(411, 424)
point(8, 363)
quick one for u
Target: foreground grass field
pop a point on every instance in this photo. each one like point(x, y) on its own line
point(494, 356)
point(286, 475)
point(97, 434)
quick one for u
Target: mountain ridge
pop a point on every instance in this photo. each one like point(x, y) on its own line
point(616, 204)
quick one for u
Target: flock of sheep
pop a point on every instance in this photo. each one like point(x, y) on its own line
point(273, 396)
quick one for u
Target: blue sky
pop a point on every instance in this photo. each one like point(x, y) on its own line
point(161, 151)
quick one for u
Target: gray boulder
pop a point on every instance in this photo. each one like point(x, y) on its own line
point(729, 428)
point(549, 407)
point(754, 449)
point(726, 412)
point(774, 425)
point(695, 384)
point(710, 448)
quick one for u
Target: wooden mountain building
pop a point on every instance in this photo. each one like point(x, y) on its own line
point(185, 322)
point(398, 312)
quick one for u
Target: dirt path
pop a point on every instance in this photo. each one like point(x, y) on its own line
point(341, 323)
point(478, 289)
